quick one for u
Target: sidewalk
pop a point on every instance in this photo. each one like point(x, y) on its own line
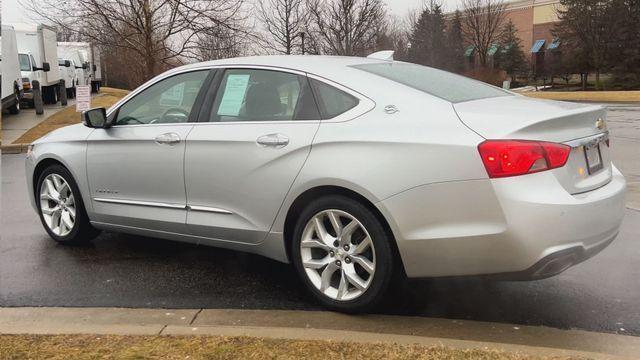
point(13, 126)
point(312, 325)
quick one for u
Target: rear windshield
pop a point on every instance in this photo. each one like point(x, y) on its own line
point(445, 85)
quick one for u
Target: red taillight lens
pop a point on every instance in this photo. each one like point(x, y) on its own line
point(504, 158)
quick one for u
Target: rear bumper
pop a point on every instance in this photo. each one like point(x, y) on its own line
point(524, 227)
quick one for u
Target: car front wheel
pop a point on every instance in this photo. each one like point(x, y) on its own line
point(343, 254)
point(61, 208)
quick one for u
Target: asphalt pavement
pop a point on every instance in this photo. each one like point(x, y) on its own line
point(118, 270)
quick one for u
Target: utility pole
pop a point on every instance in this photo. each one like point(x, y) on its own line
point(302, 38)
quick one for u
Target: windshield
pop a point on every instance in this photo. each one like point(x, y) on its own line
point(445, 85)
point(24, 62)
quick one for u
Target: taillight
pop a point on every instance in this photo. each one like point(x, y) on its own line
point(504, 158)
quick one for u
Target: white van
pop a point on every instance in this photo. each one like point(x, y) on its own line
point(11, 78)
point(38, 51)
point(68, 74)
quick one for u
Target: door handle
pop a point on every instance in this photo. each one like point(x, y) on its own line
point(273, 140)
point(167, 139)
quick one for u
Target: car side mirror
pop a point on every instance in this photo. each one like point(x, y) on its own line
point(96, 118)
point(67, 63)
point(85, 66)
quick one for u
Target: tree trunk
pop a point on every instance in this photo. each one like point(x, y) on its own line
point(598, 79)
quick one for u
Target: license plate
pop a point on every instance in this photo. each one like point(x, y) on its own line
point(593, 157)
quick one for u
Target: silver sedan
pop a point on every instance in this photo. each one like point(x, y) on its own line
point(353, 169)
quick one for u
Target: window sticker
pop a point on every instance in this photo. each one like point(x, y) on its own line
point(173, 96)
point(234, 94)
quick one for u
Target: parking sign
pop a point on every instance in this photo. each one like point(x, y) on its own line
point(83, 98)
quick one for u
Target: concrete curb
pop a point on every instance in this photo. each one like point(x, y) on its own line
point(319, 325)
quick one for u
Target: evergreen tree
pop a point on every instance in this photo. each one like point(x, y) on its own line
point(454, 48)
point(427, 38)
point(625, 47)
point(590, 28)
point(510, 57)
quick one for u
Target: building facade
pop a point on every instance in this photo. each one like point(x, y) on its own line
point(534, 20)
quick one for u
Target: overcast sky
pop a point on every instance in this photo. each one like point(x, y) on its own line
point(12, 11)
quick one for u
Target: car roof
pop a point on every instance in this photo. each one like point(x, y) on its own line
point(307, 63)
point(336, 68)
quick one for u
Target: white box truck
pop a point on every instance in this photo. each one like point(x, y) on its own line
point(11, 78)
point(38, 52)
point(78, 63)
point(89, 54)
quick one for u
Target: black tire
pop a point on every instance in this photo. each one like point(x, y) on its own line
point(385, 261)
point(15, 108)
point(82, 232)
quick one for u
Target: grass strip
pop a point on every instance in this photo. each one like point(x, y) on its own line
point(56, 347)
point(69, 116)
point(595, 96)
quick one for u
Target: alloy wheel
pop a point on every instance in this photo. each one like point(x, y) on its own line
point(57, 204)
point(338, 255)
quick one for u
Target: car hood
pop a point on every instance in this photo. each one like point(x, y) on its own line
point(520, 117)
point(77, 132)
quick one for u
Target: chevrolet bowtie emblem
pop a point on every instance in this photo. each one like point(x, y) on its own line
point(600, 124)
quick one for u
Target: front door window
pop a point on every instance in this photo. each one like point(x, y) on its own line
point(167, 102)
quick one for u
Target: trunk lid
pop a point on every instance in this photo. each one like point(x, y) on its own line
point(522, 118)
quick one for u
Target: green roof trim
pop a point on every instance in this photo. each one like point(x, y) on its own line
point(554, 44)
point(493, 49)
point(469, 51)
point(537, 46)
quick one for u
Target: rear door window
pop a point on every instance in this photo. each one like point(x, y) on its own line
point(263, 95)
point(332, 101)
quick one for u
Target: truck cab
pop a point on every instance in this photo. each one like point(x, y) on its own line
point(30, 71)
point(38, 43)
point(68, 74)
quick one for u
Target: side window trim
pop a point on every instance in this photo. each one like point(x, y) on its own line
point(210, 97)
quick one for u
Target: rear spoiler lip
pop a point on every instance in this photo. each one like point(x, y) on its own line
point(589, 140)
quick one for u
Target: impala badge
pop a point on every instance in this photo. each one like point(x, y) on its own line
point(600, 124)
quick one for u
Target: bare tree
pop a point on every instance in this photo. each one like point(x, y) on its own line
point(345, 27)
point(283, 21)
point(220, 44)
point(393, 35)
point(159, 32)
point(482, 24)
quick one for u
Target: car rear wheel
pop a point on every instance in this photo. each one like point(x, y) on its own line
point(343, 254)
point(61, 208)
